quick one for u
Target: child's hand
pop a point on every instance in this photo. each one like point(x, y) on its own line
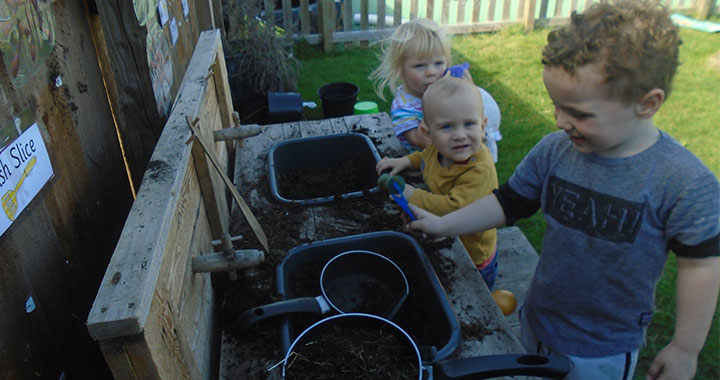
point(395, 164)
point(425, 221)
point(673, 363)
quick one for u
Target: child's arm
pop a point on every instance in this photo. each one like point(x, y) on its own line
point(416, 138)
point(481, 215)
point(697, 292)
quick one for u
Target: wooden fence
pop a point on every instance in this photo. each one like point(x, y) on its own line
point(332, 21)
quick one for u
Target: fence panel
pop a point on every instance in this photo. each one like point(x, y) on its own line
point(368, 20)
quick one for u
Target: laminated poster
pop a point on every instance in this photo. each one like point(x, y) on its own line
point(24, 169)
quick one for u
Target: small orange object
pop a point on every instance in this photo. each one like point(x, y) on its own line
point(505, 300)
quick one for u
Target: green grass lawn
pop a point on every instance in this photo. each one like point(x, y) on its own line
point(507, 64)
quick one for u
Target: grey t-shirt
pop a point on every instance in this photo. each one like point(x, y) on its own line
point(609, 224)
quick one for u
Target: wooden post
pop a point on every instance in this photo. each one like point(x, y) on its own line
point(397, 13)
point(364, 10)
point(328, 24)
point(529, 15)
point(305, 17)
point(703, 9)
point(381, 15)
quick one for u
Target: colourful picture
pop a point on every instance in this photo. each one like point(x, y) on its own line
point(27, 37)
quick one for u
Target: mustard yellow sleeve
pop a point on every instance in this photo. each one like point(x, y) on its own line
point(469, 186)
point(415, 159)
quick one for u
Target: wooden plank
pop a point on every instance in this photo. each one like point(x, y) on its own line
point(460, 18)
point(476, 11)
point(328, 24)
point(207, 189)
point(257, 229)
point(180, 329)
point(134, 268)
point(204, 12)
point(305, 17)
point(445, 12)
point(166, 335)
point(287, 16)
point(129, 358)
point(364, 10)
point(381, 8)
point(430, 9)
point(292, 131)
point(253, 155)
point(129, 84)
point(506, 9)
point(322, 127)
point(397, 13)
point(491, 11)
point(347, 15)
point(544, 4)
point(703, 9)
point(558, 8)
point(516, 265)
point(413, 9)
point(520, 10)
point(224, 100)
point(471, 302)
point(529, 17)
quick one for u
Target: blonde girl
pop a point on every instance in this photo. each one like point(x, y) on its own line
point(415, 56)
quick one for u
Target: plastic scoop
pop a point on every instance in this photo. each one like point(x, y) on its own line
point(394, 184)
point(457, 70)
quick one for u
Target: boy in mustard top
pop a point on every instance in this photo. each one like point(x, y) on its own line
point(458, 167)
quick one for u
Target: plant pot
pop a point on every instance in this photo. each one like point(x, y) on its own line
point(338, 99)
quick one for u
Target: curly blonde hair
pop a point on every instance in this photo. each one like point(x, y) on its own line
point(420, 37)
point(634, 41)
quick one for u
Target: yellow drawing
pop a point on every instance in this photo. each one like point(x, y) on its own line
point(9, 200)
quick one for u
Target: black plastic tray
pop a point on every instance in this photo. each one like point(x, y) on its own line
point(323, 152)
point(426, 314)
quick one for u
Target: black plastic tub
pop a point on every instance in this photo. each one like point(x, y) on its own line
point(338, 99)
point(425, 315)
point(327, 154)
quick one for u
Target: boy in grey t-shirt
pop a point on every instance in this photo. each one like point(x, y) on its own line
point(617, 195)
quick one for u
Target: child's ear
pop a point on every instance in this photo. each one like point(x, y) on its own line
point(650, 103)
point(423, 128)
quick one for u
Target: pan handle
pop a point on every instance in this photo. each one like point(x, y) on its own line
point(313, 305)
point(488, 366)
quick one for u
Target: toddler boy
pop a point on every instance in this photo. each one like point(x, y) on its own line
point(617, 195)
point(457, 167)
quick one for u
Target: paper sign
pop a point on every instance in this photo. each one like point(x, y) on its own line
point(163, 12)
point(24, 169)
point(186, 8)
point(173, 31)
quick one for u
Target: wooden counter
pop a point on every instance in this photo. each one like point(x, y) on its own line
point(468, 295)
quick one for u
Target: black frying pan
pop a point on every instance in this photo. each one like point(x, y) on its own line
point(354, 281)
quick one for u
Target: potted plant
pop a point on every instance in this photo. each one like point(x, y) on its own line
point(259, 58)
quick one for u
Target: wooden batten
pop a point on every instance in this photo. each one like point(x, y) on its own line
point(153, 317)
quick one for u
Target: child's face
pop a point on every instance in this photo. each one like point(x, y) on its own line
point(456, 124)
point(594, 123)
point(421, 72)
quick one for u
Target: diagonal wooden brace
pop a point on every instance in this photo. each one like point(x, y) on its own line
point(249, 216)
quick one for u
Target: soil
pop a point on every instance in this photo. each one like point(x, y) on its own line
point(315, 181)
point(284, 225)
point(353, 348)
